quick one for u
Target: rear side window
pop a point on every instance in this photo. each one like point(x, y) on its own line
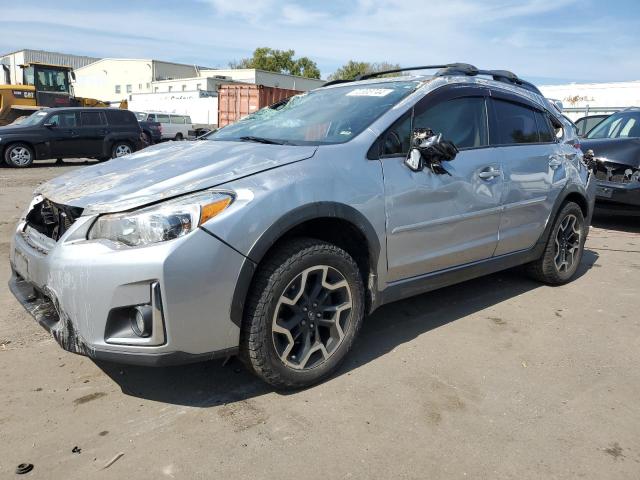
point(516, 124)
point(177, 119)
point(162, 118)
point(460, 120)
point(89, 119)
point(545, 129)
point(121, 117)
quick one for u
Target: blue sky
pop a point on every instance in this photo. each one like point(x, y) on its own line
point(544, 41)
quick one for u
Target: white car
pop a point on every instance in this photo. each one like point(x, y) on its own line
point(174, 126)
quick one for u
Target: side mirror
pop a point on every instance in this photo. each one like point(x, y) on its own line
point(429, 149)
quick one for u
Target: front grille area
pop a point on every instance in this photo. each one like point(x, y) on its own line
point(52, 219)
point(617, 173)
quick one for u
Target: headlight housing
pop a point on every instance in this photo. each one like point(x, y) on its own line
point(161, 222)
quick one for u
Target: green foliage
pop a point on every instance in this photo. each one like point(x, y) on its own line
point(280, 61)
point(352, 69)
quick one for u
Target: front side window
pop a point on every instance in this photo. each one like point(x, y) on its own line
point(618, 125)
point(91, 119)
point(460, 120)
point(64, 119)
point(516, 124)
point(177, 119)
point(324, 116)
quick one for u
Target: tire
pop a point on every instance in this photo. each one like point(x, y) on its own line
point(19, 155)
point(178, 137)
point(565, 246)
point(121, 149)
point(146, 139)
point(266, 348)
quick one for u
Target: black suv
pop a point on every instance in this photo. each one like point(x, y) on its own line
point(100, 133)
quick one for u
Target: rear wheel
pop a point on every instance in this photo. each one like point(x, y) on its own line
point(303, 313)
point(563, 253)
point(146, 139)
point(120, 149)
point(19, 155)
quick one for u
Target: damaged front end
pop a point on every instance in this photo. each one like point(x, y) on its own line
point(45, 309)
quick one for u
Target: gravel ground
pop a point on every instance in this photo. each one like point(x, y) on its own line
point(499, 377)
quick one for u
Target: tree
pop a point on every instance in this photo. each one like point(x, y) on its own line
point(280, 61)
point(352, 69)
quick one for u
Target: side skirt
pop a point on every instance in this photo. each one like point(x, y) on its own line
point(409, 287)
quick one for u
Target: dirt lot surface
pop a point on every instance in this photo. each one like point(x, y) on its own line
point(499, 377)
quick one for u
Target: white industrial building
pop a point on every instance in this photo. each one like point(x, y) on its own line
point(268, 79)
point(12, 73)
point(579, 99)
point(115, 79)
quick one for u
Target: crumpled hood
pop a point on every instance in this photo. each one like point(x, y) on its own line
point(625, 151)
point(165, 171)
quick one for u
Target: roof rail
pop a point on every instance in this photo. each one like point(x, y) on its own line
point(466, 69)
point(458, 66)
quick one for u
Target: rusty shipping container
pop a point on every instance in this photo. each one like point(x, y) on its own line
point(237, 101)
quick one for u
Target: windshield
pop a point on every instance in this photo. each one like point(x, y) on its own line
point(35, 118)
point(618, 125)
point(323, 116)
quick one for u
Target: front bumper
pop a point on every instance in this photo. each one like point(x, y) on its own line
point(73, 288)
point(618, 198)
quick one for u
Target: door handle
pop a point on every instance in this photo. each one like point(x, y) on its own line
point(554, 163)
point(489, 173)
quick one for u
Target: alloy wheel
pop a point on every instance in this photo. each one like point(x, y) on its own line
point(20, 156)
point(122, 150)
point(567, 243)
point(311, 317)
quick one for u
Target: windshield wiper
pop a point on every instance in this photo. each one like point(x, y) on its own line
point(251, 138)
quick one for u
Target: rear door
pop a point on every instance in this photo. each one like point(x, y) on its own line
point(533, 169)
point(93, 129)
point(439, 221)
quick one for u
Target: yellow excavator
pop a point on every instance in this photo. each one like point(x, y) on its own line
point(43, 86)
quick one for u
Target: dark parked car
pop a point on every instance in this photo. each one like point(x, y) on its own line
point(100, 133)
point(151, 131)
point(585, 124)
point(616, 146)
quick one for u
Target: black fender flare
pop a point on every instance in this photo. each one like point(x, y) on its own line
point(569, 189)
point(283, 225)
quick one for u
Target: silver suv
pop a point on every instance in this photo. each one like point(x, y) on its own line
point(275, 236)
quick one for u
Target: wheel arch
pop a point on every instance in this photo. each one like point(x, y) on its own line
point(333, 222)
point(571, 193)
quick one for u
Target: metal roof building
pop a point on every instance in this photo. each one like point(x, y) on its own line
point(12, 73)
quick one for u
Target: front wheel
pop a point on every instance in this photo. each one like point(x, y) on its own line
point(565, 246)
point(120, 149)
point(303, 313)
point(19, 155)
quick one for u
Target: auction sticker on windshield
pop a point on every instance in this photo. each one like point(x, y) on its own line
point(369, 92)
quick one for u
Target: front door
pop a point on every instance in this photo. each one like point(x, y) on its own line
point(64, 135)
point(438, 221)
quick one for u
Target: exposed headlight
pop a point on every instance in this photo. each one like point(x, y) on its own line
point(159, 223)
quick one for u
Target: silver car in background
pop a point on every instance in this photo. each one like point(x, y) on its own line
point(275, 236)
